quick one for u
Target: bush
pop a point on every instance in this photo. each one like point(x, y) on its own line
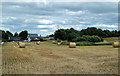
point(74, 40)
point(6, 40)
point(93, 38)
point(58, 40)
point(87, 37)
point(81, 39)
point(85, 44)
point(92, 44)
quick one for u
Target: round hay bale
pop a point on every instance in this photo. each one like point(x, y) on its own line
point(18, 43)
point(116, 44)
point(38, 43)
point(2, 43)
point(58, 43)
point(21, 45)
point(54, 42)
point(72, 45)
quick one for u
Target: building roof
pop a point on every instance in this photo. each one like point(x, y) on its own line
point(15, 38)
point(32, 35)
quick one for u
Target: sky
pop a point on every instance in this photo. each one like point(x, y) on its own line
point(44, 18)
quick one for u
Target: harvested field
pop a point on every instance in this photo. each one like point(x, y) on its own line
point(112, 38)
point(48, 58)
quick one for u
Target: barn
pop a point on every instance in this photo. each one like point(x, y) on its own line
point(33, 37)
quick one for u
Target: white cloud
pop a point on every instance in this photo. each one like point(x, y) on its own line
point(16, 6)
point(44, 30)
point(60, 0)
point(45, 21)
point(26, 20)
point(65, 27)
point(46, 26)
point(4, 28)
point(73, 12)
point(44, 16)
point(84, 22)
point(104, 25)
point(99, 25)
point(13, 18)
point(47, 17)
point(79, 25)
point(63, 22)
point(44, 1)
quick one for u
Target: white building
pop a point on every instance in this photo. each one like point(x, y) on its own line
point(33, 37)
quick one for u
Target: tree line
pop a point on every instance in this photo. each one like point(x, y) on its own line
point(91, 34)
point(7, 34)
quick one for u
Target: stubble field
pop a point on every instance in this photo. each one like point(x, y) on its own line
point(48, 58)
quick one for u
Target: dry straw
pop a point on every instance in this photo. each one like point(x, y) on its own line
point(116, 44)
point(72, 45)
point(2, 43)
point(21, 45)
point(38, 43)
point(53, 41)
point(18, 43)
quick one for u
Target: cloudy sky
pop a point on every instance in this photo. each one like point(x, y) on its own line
point(44, 18)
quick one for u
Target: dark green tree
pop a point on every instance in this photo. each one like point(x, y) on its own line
point(93, 31)
point(16, 34)
point(9, 33)
point(51, 35)
point(72, 36)
point(107, 32)
point(23, 35)
point(4, 35)
point(60, 34)
point(80, 39)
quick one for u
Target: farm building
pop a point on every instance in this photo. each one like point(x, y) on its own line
point(33, 37)
point(14, 38)
point(51, 38)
